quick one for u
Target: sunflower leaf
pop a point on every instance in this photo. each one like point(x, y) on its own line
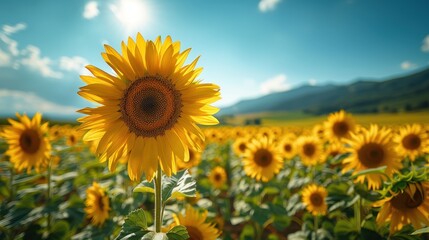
point(134, 227)
point(144, 187)
point(154, 236)
point(379, 170)
point(420, 231)
point(180, 184)
point(178, 233)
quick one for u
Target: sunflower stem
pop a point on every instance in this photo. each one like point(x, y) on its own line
point(357, 214)
point(12, 174)
point(49, 192)
point(316, 226)
point(158, 199)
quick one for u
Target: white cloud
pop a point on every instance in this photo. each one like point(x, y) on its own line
point(34, 61)
point(312, 82)
point(267, 5)
point(20, 101)
point(276, 84)
point(91, 10)
point(425, 46)
point(14, 29)
point(11, 44)
point(4, 58)
point(405, 65)
point(74, 64)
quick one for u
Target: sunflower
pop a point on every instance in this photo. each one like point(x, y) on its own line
point(55, 132)
point(372, 148)
point(97, 204)
point(410, 205)
point(217, 177)
point(334, 149)
point(150, 108)
point(339, 125)
point(287, 145)
point(28, 144)
point(314, 199)
point(240, 145)
point(73, 137)
point(262, 159)
point(411, 141)
point(310, 150)
point(196, 225)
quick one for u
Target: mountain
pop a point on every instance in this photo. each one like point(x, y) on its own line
point(405, 93)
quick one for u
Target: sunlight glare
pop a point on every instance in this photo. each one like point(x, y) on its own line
point(133, 14)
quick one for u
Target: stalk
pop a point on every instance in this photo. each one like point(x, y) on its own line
point(49, 191)
point(158, 199)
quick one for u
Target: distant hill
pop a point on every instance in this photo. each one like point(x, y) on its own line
point(405, 93)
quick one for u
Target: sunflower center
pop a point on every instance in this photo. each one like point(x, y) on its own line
point(100, 203)
point(341, 129)
point(316, 199)
point(30, 141)
point(217, 177)
point(371, 155)
point(263, 157)
point(411, 141)
point(334, 153)
point(150, 106)
point(287, 147)
point(72, 139)
point(404, 201)
point(194, 233)
point(242, 147)
point(309, 149)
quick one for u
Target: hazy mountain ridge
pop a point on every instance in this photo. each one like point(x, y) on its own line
point(405, 93)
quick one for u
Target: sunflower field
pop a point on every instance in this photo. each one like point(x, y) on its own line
point(141, 166)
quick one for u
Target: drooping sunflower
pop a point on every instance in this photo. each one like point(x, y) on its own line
point(310, 150)
point(262, 159)
point(411, 141)
point(339, 125)
point(410, 206)
point(217, 177)
point(28, 143)
point(196, 225)
point(314, 199)
point(150, 108)
point(372, 148)
point(287, 145)
point(97, 204)
point(193, 160)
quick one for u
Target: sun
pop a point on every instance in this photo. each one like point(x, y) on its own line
point(132, 14)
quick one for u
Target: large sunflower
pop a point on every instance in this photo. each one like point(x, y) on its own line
point(28, 143)
point(196, 225)
point(262, 159)
point(411, 141)
point(314, 199)
point(372, 148)
point(339, 125)
point(150, 108)
point(310, 150)
point(97, 204)
point(411, 205)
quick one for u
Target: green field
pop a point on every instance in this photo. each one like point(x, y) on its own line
point(299, 119)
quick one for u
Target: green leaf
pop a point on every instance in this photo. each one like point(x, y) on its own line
point(178, 233)
point(420, 231)
point(144, 187)
point(180, 184)
point(135, 226)
point(60, 230)
point(154, 236)
point(379, 170)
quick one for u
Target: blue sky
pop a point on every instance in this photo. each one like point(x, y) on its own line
point(249, 48)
